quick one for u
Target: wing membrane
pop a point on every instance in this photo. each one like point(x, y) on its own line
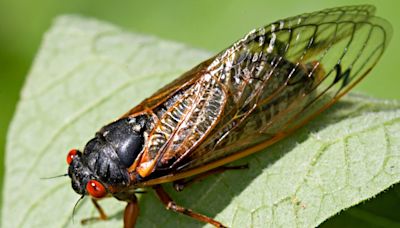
point(336, 48)
point(276, 79)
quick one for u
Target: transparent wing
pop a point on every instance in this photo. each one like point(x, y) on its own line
point(280, 76)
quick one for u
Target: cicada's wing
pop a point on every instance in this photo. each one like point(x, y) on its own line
point(282, 75)
point(184, 81)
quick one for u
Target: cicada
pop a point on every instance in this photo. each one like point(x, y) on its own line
point(245, 98)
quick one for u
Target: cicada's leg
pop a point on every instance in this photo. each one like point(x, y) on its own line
point(102, 214)
point(131, 213)
point(179, 185)
point(171, 205)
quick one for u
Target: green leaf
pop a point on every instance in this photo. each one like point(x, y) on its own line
point(88, 73)
point(382, 211)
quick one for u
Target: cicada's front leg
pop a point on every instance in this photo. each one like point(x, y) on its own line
point(131, 213)
point(102, 214)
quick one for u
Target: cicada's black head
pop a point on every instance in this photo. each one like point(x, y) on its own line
point(105, 159)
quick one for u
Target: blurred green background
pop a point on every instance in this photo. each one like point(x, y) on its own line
point(207, 24)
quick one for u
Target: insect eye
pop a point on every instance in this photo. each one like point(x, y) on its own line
point(71, 154)
point(96, 189)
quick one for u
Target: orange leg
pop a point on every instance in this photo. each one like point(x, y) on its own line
point(131, 213)
point(102, 214)
point(171, 205)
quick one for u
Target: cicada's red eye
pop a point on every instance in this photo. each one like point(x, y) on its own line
point(71, 154)
point(96, 189)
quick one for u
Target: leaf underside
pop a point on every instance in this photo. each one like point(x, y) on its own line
point(88, 73)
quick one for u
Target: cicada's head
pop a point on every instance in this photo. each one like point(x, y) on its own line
point(102, 167)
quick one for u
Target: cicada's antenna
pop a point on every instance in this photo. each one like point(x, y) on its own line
point(46, 178)
point(73, 210)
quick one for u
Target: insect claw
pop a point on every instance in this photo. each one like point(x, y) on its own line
point(178, 186)
point(141, 191)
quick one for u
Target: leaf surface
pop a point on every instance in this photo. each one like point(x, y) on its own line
point(88, 73)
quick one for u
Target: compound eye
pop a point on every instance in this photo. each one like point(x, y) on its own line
point(96, 189)
point(71, 154)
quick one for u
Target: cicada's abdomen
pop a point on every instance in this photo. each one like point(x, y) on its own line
point(183, 120)
point(261, 86)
